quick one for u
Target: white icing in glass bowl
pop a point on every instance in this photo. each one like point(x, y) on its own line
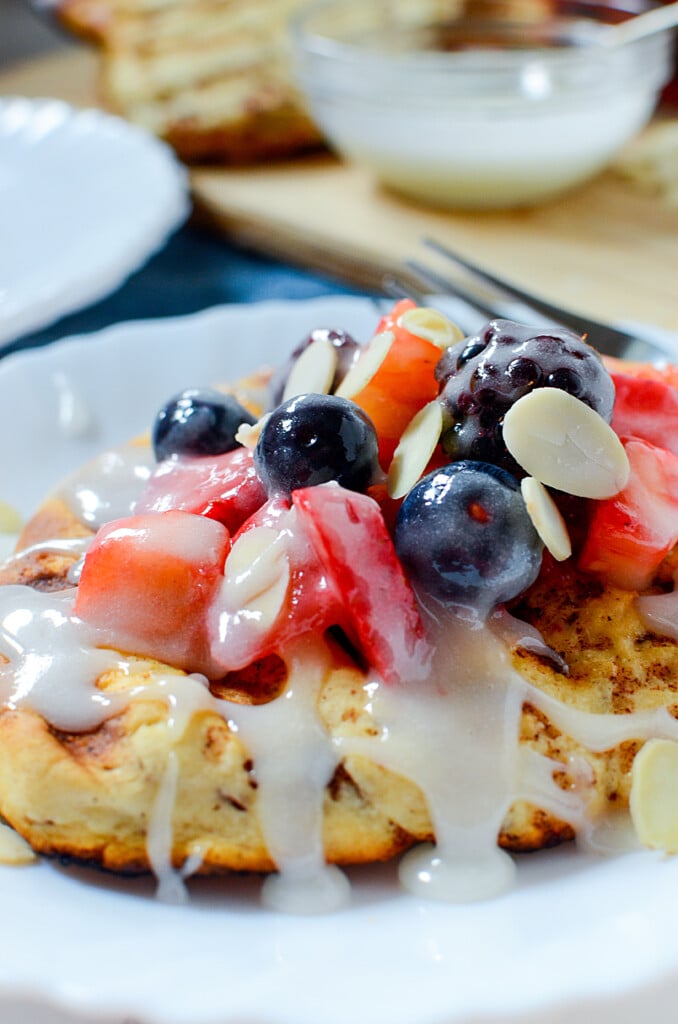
point(477, 114)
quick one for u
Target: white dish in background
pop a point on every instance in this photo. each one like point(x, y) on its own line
point(581, 937)
point(85, 198)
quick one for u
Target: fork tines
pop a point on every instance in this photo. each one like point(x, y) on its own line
point(494, 296)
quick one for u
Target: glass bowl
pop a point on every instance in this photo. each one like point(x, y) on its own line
point(482, 104)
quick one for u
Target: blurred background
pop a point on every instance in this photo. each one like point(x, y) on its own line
point(22, 34)
point(276, 215)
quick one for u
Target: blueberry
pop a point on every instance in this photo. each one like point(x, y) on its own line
point(347, 349)
point(465, 539)
point(483, 376)
point(199, 421)
point(312, 439)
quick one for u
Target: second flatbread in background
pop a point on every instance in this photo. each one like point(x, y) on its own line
point(211, 77)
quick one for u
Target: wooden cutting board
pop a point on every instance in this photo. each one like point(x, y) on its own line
point(607, 250)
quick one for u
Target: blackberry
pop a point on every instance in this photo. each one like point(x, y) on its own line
point(484, 375)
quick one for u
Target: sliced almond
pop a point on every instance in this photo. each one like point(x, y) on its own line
point(13, 848)
point(313, 371)
point(565, 444)
point(257, 575)
point(431, 325)
point(256, 560)
point(654, 795)
point(546, 518)
point(415, 449)
point(247, 434)
point(10, 520)
point(367, 364)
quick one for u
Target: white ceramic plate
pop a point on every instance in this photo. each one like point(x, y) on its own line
point(581, 937)
point(85, 199)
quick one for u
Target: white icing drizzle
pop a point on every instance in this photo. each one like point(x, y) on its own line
point(59, 546)
point(612, 834)
point(77, 546)
point(599, 732)
point(171, 887)
point(659, 612)
point(294, 760)
point(455, 736)
point(537, 785)
point(109, 486)
point(518, 634)
point(184, 696)
point(53, 661)
point(160, 836)
point(293, 754)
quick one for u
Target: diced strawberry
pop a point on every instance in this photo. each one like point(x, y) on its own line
point(222, 487)
point(147, 584)
point(271, 513)
point(402, 385)
point(648, 408)
point(644, 371)
point(312, 602)
point(630, 535)
point(352, 542)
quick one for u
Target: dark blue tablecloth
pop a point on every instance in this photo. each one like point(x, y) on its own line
point(195, 270)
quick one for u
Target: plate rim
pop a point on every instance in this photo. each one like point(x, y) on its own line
point(89, 285)
point(68, 998)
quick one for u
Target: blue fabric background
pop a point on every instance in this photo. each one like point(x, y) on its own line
point(195, 270)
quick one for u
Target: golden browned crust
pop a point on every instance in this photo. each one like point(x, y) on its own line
point(615, 663)
point(89, 795)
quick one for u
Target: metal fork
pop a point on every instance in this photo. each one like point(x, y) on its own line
point(492, 297)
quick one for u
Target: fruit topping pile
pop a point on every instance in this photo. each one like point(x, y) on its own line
point(418, 476)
